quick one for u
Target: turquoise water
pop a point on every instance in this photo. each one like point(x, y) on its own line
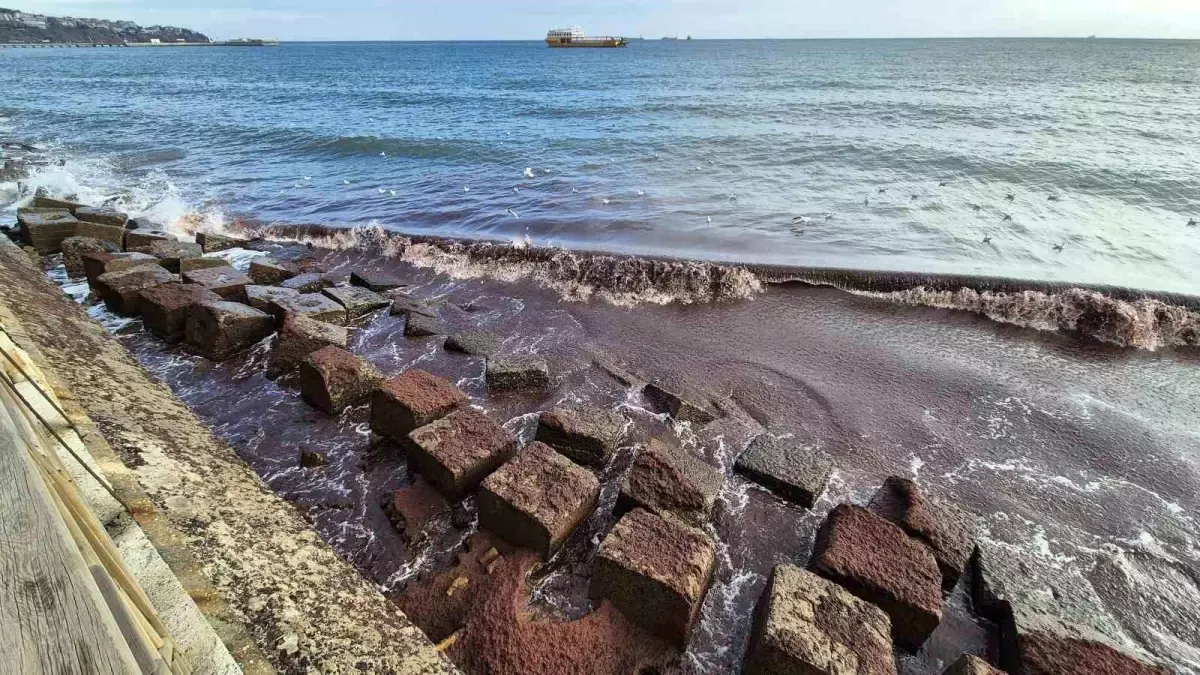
point(764, 151)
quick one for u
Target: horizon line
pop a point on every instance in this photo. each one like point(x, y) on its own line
point(753, 39)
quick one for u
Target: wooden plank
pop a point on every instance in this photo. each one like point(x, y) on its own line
point(53, 618)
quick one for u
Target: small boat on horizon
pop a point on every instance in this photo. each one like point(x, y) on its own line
point(574, 37)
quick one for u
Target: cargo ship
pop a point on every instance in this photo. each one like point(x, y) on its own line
point(574, 37)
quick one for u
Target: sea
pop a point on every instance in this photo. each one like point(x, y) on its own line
point(1064, 160)
point(790, 230)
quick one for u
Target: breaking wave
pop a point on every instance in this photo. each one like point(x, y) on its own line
point(1119, 316)
point(620, 280)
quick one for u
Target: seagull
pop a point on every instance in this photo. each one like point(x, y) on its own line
point(641, 193)
point(307, 177)
point(882, 190)
point(528, 172)
point(296, 185)
point(574, 190)
point(1192, 222)
point(732, 199)
point(466, 188)
point(393, 192)
point(383, 153)
point(942, 183)
point(605, 200)
point(975, 207)
point(801, 219)
point(516, 190)
point(1052, 198)
point(710, 219)
point(828, 217)
point(511, 213)
point(345, 182)
point(866, 201)
point(1007, 217)
point(1010, 196)
point(1059, 247)
point(987, 238)
point(381, 191)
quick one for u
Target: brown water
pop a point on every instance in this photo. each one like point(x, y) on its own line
point(1067, 448)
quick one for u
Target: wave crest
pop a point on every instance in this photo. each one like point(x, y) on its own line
point(619, 280)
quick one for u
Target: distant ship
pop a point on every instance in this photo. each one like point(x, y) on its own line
point(670, 39)
point(574, 37)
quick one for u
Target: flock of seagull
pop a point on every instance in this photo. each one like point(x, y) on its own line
point(733, 200)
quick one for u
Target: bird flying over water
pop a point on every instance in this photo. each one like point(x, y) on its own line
point(516, 190)
point(914, 198)
point(466, 188)
point(942, 183)
point(1010, 196)
point(732, 199)
point(528, 172)
point(345, 182)
point(866, 201)
point(641, 193)
point(1052, 198)
point(801, 219)
point(882, 190)
point(710, 219)
point(393, 192)
point(987, 238)
point(975, 207)
point(1059, 247)
point(381, 190)
point(383, 153)
point(1007, 217)
point(307, 177)
point(1192, 222)
point(511, 213)
point(828, 217)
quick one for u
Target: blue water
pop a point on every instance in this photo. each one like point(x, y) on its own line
point(732, 150)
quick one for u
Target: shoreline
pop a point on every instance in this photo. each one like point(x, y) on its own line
point(846, 371)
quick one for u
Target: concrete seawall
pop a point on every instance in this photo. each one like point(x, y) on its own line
point(278, 596)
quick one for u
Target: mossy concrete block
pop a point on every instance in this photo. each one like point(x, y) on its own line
point(226, 282)
point(656, 570)
point(410, 401)
point(456, 452)
point(220, 330)
point(806, 625)
point(538, 499)
point(121, 291)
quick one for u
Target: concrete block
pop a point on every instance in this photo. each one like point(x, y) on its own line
point(224, 281)
point(410, 401)
point(587, 435)
point(357, 301)
point(332, 378)
point(121, 291)
point(309, 305)
point(220, 330)
point(787, 467)
point(298, 337)
point(165, 307)
point(516, 373)
point(456, 452)
point(669, 479)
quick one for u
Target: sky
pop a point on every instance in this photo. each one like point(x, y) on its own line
point(529, 19)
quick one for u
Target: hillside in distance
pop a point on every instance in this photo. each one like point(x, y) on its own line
point(22, 27)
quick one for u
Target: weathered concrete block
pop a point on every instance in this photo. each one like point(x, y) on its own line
point(537, 499)
point(191, 264)
point(298, 337)
point(121, 291)
point(677, 401)
point(1044, 653)
point(502, 374)
point(656, 570)
point(787, 467)
point(310, 305)
point(268, 271)
point(139, 240)
point(74, 248)
point(170, 253)
point(45, 231)
point(97, 263)
point(946, 529)
point(969, 664)
point(212, 242)
point(357, 301)
point(43, 202)
point(1025, 594)
point(665, 478)
point(224, 281)
point(587, 435)
point(402, 305)
point(456, 452)
point(332, 378)
point(110, 233)
point(806, 625)
point(308, 282)
point(311, 459)
point(165, 307)
point(260, 297)
point(101, 215)
point(875, 560)
point(473, 342)
point(410, 401)
point(375, 281)
point(421, 326)
point(411, 509)
point(221, 329)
